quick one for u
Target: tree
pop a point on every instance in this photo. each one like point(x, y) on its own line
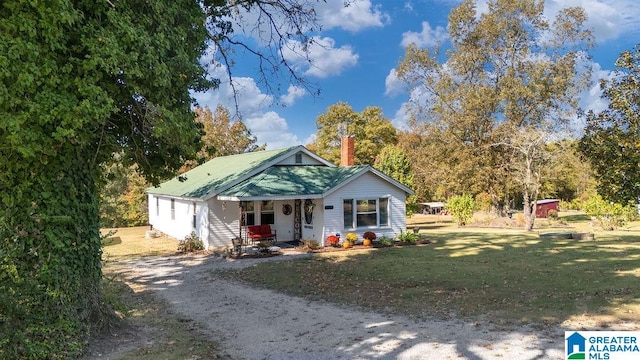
point(395, 163)
point(372, 132)
point(221, 136)
point(123, 197)
point(79, 81)
point(508, 70)
point(611, 137)
point(461, 208)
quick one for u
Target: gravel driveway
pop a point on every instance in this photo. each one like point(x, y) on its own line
point(250, 323)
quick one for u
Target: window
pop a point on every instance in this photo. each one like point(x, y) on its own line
point(248, 213)
point(298, 158)
point(267, 215)
point(173, 209)
point(157, 206)
point(194, 215)
point(365, 213)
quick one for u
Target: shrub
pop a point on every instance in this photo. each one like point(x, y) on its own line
point(369, 235)
point(385, 241)
point(408, 237)
point(312, 244)
point(461, 207)
point(191, 243)
point(552, 214)
point(610, 215)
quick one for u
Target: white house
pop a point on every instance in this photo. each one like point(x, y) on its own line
point(298, 193)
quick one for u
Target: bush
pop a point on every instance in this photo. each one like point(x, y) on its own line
point(191, 243)
point(461, 208)
point(385, 241)
point(610, 215)
point(408, 237)
point(552, 214)
point(311, 244)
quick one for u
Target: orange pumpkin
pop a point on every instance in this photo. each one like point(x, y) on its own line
point(346, 244)
point(366, 242)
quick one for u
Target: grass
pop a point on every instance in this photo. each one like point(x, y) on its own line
point(130, 243)
point(507, 276)
point(158, 332)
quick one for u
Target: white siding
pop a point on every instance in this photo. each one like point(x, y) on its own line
point(306, 160)
point(181, 224)
point(223, 223)
point(368, 186)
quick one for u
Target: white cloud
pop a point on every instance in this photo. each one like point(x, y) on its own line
point(272, 129)
point(353, 16)
point(393, 86)
point(293, 93)
point(426, 38)
point(324, 59)
point(253, 104)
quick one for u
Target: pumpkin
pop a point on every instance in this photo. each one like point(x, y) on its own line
point(366, 242)
point(346, 244)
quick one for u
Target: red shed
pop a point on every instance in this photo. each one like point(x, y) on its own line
point(543, 207)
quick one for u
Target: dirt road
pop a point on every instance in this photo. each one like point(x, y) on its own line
point(250, 323)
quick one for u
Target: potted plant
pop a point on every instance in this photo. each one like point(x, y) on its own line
point(351, 238)
point(368, 237)
point(333, 240)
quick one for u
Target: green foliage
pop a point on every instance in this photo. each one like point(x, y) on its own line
point(394, 162)
point(408, 237)
point(123, 197)
point(611, 137)
point(372, 132)
point(506, 71)
point(79, 81)
point(191, 243)
point(385, 241)
point(461, 208)
point(610, 215)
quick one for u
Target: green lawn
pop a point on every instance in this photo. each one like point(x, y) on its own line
point(505, 276)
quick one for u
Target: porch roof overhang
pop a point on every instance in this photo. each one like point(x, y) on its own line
point(290, 182)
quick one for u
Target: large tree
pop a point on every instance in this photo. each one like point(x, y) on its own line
point(371, 129)
point(507, 71)
point(80, 81)
point(612, 137)
point(221, 136)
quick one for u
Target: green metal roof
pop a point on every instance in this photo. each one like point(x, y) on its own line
point(217, 174)
point(283, 181)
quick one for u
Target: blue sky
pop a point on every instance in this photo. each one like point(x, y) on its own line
point(362, 45)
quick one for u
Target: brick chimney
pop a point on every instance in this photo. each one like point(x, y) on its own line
point(347, 151)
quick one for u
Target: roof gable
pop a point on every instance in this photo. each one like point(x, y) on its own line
point(292, 181)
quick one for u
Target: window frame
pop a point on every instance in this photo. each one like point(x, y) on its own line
point(382, 213)
point(248, 214)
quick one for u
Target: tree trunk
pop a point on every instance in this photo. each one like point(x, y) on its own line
point(49, 252)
